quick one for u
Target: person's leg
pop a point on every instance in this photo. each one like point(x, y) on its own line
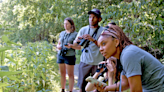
point(94, 68)
point(91, 71)
point(70, 71)
point(84, 72)
point(62, 69)
point(70, 62)
point(80, 76)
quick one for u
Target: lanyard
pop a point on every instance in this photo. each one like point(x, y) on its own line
point(93, 35)
point(65, 37)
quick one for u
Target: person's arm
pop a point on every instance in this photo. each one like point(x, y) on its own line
point(128, 60)
point(124, 85)
point(78, 47)
point(95, 41)
point(58, 45)
point(115, 87)
point(110, 79)
point(90, 86)
point(135, 83)
point(90, 38)
point(75, 45)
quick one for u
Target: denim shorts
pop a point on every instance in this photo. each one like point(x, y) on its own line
point(70, 60)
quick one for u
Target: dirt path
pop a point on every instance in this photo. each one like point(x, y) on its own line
point(76, 72)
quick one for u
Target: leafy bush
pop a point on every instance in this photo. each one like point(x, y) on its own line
point(36, 61)
point(142, 21)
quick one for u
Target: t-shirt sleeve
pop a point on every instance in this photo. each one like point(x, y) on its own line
point(131, 62)
point(75, 35)
point(61, 34)
point(81, 32)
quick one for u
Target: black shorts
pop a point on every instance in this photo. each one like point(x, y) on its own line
point(70, 60)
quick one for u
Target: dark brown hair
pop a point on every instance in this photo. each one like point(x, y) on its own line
point(71, 22)
point(123, 39)
point(123, 42)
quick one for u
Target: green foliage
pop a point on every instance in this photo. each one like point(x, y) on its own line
point(5, 73)
point(24, 21)
point(35, 20)
point(39, 59)
point(36, 62)
point(142, 21)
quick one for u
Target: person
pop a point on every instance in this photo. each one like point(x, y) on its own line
point(103, 75)
point(111, 70)
point(141, 70)
point(90, 56)
point(109, 24)
point(66, 54)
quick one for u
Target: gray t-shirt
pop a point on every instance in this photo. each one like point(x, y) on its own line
point(93, 55)
point(67, 38)
point(136, 61)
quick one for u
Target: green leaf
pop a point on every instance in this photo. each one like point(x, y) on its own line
point(10, 42)
point(11, 59)
point(5, 38)
point(159, 18)
point(44, 78)
point(4, 48)
point(6, 33)
point(6, 73)
point(14, 78)
point(3, 85)
point(2, 57)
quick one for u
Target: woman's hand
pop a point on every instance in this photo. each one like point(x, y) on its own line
point(69, 45)
point(111, 66)
point(99, 87)
point(58, 45)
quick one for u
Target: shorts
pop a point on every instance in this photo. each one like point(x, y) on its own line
point(70, 60)
point(85, 70)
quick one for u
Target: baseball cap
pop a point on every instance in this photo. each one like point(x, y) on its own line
point(95, 11)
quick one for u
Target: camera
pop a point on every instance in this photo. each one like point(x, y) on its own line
point(82, 41)
point(63, 51)
point(102, 65)
point(65, 44)
point(104, 71)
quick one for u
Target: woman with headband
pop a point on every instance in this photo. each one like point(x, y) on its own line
point(141, 71)
point(108, 76)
